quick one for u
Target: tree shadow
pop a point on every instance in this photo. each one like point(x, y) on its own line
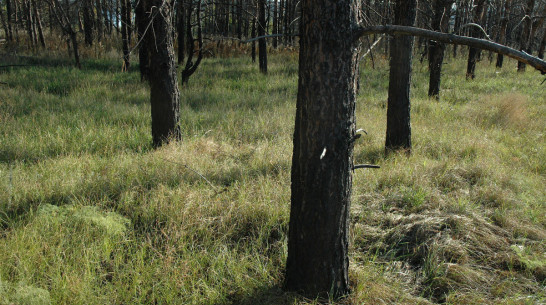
point(267, 295)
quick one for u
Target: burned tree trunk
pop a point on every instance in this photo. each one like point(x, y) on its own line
point(262, 46)
point(164, 93)
point(141, 23)
point(526, 31)
point(473, 53)
point(442, 9)
point(317, 263)
point(398, 105)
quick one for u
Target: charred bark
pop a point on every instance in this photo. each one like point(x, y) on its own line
point(262, 45)
point(398, 105)
point(164, 92)
point(442, 9)
point(317, 263)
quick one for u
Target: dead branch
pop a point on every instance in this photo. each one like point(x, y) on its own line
point(534, 62)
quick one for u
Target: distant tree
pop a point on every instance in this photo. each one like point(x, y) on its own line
point(503, 27)
point(164, 92)
point(398, 105)
point(64, 15)
point(126, 32)
point(474, 53)
point(142, 21)
point(191, 66)
point(440, 21)
point(526, 30)
point(262, 45)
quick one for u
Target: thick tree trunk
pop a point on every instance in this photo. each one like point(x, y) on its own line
point(503, 28)
point(442, 9)
point(473, 53)
point(398, 108)
point(164, 93)
point(262, 46)
point(317, 263)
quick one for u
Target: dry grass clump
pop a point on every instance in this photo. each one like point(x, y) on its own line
point(451, 257)
point(506, 111)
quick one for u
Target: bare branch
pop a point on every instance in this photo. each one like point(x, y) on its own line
point(533, 61)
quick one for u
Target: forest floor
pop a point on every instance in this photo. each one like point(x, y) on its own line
point(91, 214)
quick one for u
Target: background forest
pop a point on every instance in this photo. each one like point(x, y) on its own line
point(92, 211)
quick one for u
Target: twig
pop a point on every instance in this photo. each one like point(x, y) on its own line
point(478, 27)
point(371, 47)
point(191, 169)
point(365, 166)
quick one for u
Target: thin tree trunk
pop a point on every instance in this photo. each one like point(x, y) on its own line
point(526, 32)
point(125, 23)
point(141, 24)
point(8, 17)
point(398, 105)
point(262, 45)
point(253, 45)
point(542, 46)
point(181, 14)
point(164, 93)
point(39, 25)
point(503, 28)
point(473, 53)
point(322, 162)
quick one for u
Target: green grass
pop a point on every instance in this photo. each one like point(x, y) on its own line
point(91, 214)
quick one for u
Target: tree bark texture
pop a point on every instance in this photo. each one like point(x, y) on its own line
point(442, 9)
point(317, 263)
point(164, 92)
point(398, 104)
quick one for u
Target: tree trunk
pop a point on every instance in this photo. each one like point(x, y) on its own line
point(542, 46)
point(262, 46)
point(322, 162)
point(398, 108)
point(39, 25)
point(473, 53)
point(442, 9)
point(74, 40)
point(141, 24)
point(503, 28)
point(8, 17)
point(88, 17)
point(180, 25)
point(253, 45)
point(164, 93)
point(125, 23)
point(526, 32)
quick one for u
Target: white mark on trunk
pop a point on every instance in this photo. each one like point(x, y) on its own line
point(323, 153)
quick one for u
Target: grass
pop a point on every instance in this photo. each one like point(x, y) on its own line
point(91, 214)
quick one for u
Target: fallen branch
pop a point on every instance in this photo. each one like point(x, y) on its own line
point(365, 166)
point(193, 170)
point(534, 62)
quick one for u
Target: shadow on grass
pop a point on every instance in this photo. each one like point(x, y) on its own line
point(267, 295)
